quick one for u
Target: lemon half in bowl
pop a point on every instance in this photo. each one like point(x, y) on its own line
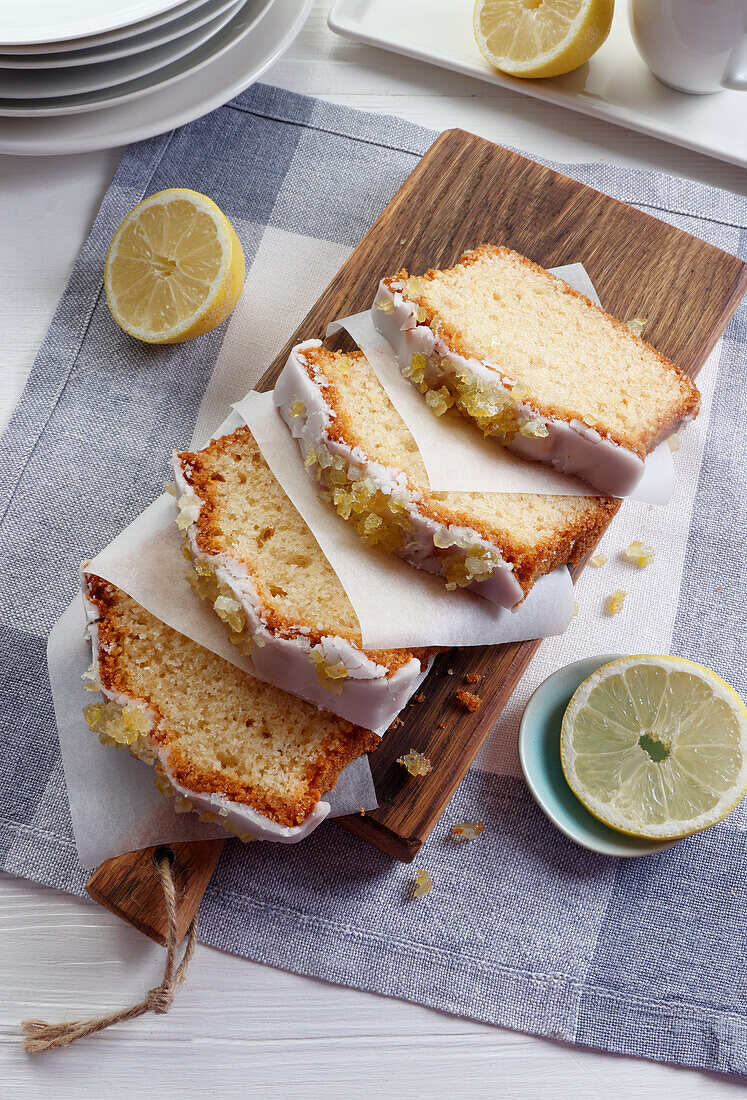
point(655, 746)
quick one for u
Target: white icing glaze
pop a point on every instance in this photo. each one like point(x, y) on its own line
point(246, 820)
point(242, 818)
point(569, 446)
point(368, 697)
point(311, 429)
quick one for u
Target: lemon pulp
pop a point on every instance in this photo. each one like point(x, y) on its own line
point(541, 38)
point(175, 268)
point(656, 746)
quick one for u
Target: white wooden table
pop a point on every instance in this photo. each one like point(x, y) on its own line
point(237, 1028)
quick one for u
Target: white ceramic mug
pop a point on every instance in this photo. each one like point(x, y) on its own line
point(695, 46)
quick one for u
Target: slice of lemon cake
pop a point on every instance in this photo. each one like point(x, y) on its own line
point(358, 447)
point(535, 364)
point(261, 568)
point(239, 751)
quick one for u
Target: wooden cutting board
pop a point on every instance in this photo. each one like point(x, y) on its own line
point(466, 191)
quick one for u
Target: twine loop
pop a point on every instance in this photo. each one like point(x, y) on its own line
point(41, 1036)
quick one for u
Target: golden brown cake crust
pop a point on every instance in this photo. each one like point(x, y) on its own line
point(201, 469)
point(115, 625)
point(568, 543)
point(685, 407)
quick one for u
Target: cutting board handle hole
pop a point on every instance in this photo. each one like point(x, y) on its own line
point(164, 853)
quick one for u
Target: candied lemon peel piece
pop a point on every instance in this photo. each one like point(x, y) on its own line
point(656, 746)
point(614, 604)
point(415, 762)
point(174, 269)
point(637, 325)
point(638, 553)
point(468, 830)
point(422, 885)
point(540, 38)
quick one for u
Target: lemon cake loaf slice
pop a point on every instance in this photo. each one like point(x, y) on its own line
point(239, 751)
point(535, 365)
point(261, 568)
point(358, 447)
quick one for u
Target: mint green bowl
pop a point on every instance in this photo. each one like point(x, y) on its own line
point(539, 753)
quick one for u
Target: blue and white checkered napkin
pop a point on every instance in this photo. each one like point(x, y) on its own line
point(522, 927)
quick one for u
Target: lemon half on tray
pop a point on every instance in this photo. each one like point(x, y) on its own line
point(175, 268)
point(541, 38)
point(655, 746)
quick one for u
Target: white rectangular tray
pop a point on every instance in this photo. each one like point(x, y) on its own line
point(615, 85)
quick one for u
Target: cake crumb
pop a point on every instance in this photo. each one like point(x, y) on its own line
point(473, 677)
point(467, 830)
point(442, 725)
point(449, 671)
point(420, 698)
point(395, 723)
point(614, 603)
point(575, 608)
point(674, 443)
point(598, 561)
point(415, 762)
point(469, 701)
point(362, 811)
point(638, 553)
point(422, 884)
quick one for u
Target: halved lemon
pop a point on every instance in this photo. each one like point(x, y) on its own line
point(175, 268)
point(656, 746)
point(538, 38)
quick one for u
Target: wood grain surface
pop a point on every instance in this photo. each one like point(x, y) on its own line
point(464, 192)
point(128, 885)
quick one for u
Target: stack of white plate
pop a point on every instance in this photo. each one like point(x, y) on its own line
point(88, 74)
